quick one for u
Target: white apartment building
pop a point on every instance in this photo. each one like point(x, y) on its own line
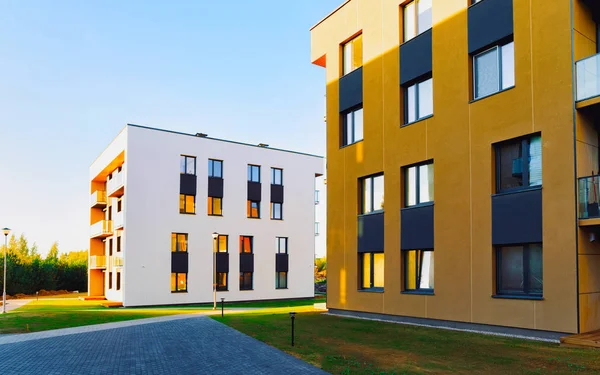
point(172, 212)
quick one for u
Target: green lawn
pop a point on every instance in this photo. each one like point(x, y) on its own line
point(251, 305)
point(352, 346)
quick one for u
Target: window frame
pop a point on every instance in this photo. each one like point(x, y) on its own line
point(251, 169)
point(273, 211)
point(526, 272)
point(351, 42)
point(418, 273)
point(362, 180)
point(278, 281)
point(498, 48)
point(185, 164)
point(416, 83)
point(211, 167)
point(243, 281)
point(416, 20)
point(317, 230)
point(286, 239)
point(525, 142)
point(177, 248)
point(184, 210)
point(249, 204)
point(119, 244)
point(110, 280)
point(372, 288)
point(211, 206)
point(118, 281)
point(344, 122)
point(221, 287)
point(226, 236)
point(273, 176)
point(177, 290)
point(242, 237)
point(417, 184)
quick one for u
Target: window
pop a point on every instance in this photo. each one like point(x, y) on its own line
point(223, 243)
point(179, 242)
point(418, 102)
point(418, 271)
point(187, 204)
point(352, 55)
point(178, 282)
point(352, 127)
point(372, 194)
point(215, 168)
point(110, 280)
point(280, 280)
point(110, 246)
point(188, 165)
point(317, 194)
point(254, 209)
point(417, 18)
point(418, 182)
point(519, 164)
point(254, 173)
point(282, 245)
point(245, 280)
point(276, 211)
point(276, 176)
point(317, 228)
point(215, 206)
point(371, 265)
point(120, 205)
point(519, 270)
point(246, 244)
point(118, 280)
point(222, 281)
point(119, 238)
point(494, 70)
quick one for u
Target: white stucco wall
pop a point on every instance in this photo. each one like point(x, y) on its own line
point(151, 210)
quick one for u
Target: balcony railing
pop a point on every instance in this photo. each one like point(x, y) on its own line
point(98, 199)
point(317, 196)
point(118, 220)
point(588, 78)
point(589, 193)
point(114, 185)
point(116, 261)
point(103, 228)
point(97, 261)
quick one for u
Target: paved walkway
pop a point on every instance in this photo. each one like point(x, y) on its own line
point(180, 344)
point(12, 304)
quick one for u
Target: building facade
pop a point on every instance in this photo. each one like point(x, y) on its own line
point(171, 213)
point(477, 122)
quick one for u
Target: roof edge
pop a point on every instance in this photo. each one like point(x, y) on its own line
point(329, 15)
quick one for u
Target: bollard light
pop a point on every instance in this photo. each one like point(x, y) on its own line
point(292, 316)
point(37, 296)
point(222, 303)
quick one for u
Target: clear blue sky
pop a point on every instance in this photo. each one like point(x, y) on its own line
point(73, 73)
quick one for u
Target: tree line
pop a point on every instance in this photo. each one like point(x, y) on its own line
point(27, 272)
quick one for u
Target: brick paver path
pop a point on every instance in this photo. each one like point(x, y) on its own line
point(168, 345)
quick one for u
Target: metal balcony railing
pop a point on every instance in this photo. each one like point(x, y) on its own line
point(97, 261)
point(103, 228)
point(98, 199)
point(588, 77)
point(589, 193)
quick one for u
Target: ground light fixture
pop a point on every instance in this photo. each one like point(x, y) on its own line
point(215, 236)
point(293, 317)
point(222, 303)
point(6, 231)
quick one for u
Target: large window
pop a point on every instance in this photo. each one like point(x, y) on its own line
point(371, 266)
point(417, 18)
point(277, 211)
point(281, 280)
point(253, 209)
point(372, 194)
point(418, 271)
point(222, 281)
point(215, 207)
point(187, 165)
point(276, 176)
point(352, 126)
point(519, 164)
point(352, 55)
point(222, 277)
point(215, 168)
point(245, 280)
point(246, 244)
point(178, 282)
point(187, 204)
point(223, 243)
point(254, 173)
point(418, 181)
point(494, 70)
point(179, 242)
point(418, 101)
point(519, 270)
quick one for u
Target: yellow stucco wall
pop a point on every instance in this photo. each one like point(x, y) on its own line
point(459, 139)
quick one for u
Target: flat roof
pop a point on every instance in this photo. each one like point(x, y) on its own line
point(223, 140)
point(330, 14)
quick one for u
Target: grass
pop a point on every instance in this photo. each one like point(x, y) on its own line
point(353, 346)
point(251, 305)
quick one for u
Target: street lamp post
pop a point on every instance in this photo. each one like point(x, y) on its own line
point(6, 231)
point(215, 236)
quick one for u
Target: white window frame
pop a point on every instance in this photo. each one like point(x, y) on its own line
point(498, 49)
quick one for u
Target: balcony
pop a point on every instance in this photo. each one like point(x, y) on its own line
point(97, 262)
point(101, 229)
point(98, 199)
point(118, 220)
point(114, 186)
point(588, 82)
point(116, 261)
point(589, 212)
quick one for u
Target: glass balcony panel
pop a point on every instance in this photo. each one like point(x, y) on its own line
point(588, 197)
point(588, 78)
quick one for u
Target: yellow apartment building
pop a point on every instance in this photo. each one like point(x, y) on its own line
point(478, 123)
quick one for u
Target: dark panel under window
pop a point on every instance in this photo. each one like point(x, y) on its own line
point(415, 57)
point(246, 262)
point(215, 187)
point(254, 191)
point(187, 184)
point(517, 217)
point(490, 21)
point(277, 193)
point(370, 233)
point(222, 262)
point(281, 262)
point(179, 262)
point(351, 90)
point(416, 230)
